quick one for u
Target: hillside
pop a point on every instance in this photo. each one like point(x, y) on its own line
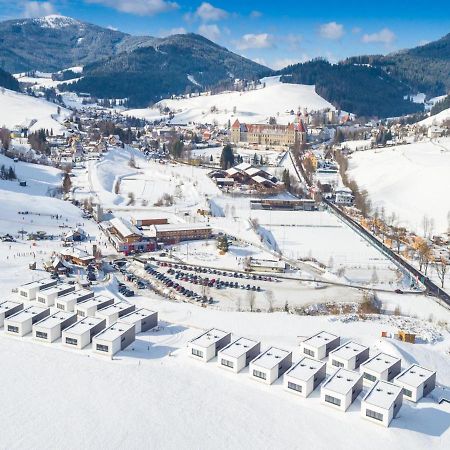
point(8, 81)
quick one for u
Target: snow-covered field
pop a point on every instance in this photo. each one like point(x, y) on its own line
point(437, 119)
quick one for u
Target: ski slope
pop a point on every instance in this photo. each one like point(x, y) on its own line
point(437, 119)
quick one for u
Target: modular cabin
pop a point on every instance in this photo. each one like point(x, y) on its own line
point(382, 403)
point(143, 319)
point(8, 308)
point(341, 389)
point(238, 354)
point(320, 345)
point(48, 296)
point(89, 307)
point(416, 381)
point(68, 302)
point(81, 333)
point(21, 323)
point(206, 346)
point(113, 339)
point(349, 355)
point(113, 312)
point(29, 291)
point(305, 376)
point(50, 328)
point(270, 365)
point(380, 367)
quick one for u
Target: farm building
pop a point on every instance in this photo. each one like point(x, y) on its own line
point(8, 308)
point(207, 345)
point(67, 302)
point(305, 376)
point(341, 389)
point(29, 291)
point(113, 339)
point(48, 296)
point(270, 365)
point(380, 367)
point(112, 312)
point(349, 355)
point(22, 322)
point(50, 328)
point(81, 333)
point(382, 402)
point(238, 354)
point(89, 307)
point(416, 381)
point(143, 319)
point(320, 345)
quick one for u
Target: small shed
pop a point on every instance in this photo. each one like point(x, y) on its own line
point(89, 307)
point(68, 301)
point(416, 381)
point(21, 323)
point(341, 389)
point(113, 339)
point(380, 367)
point(303, 377)
point(206, 346)
point(50, 328)
point(143, 319)
point(28, 291)
point(320, 345)
point(349, 355)
point(238, 354)
point(113, 312)
point(81, 333)
point(48, 296)
point(270, 365)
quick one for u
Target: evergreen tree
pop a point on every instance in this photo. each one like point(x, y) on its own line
point(227, 157)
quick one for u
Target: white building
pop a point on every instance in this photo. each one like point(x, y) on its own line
point(238, 354)
point(382, 403)
point(29, 291)
point(81, 333)
point(89, 307)
point(113, 312)
point(270, 365)
point(320, 345)
point(67, 302)
point(50, 328)
point(113, 339)
point(349, 355)
point(206, 346)
point(21, 323)
point(48, 296)
point(416, 381)
point(8, 308)
point(341, 389)
point(143, 319)
point(303, 377)
point(380, 367)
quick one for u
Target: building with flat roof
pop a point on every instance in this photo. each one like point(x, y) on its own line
point(143, 319)
point(349, 355)
point(48, 296)
point(50, 328)
point(341, 389)
point(28, 291)
point(382, 403)
point(8, 308)
point(22, 322)
point(113, 312)
point(113, 339)
point(89, 307)
point(380, 367)
point(270, 365)
point(416, 381)
point(173, 233)
point(238, 354)
point(206, 346)
point(68, 301)
point(303, 377)
point(320, 345)
point(81, 333)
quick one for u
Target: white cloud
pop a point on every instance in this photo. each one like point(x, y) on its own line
point(139, 7)
point(262, 40)
point(177, 30)
point(331, 30)
point(255, 14)
point(211, 32)
point(384, 36)
point(294, 41)
point(38, 9)
point(209, 13)
point(283, 62)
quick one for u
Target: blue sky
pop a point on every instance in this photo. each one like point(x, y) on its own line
point(271, 32)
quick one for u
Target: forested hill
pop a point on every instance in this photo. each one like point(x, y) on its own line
point(8, 81)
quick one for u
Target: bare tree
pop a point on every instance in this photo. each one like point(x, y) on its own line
point(441, 267)
point(251, 298)
point(270, 299)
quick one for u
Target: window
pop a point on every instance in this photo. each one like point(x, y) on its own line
point(407, 392)
point(41, 300)
point(102, 348)
point(41, 335)
point(258, 374)
point(374, 415)
point(60, 306)
point(294, 387)
point(227, 363)
point(337, 363)
point(332, 400)
point(369, 377)
point(24, 293)
point(71, 341)
point(198, 353)
point(308, 352)
point(81, 313)
point(12, 329)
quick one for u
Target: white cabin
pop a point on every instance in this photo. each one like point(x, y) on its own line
point(50, 328)
point(143, 319)
point(29, 291)
point(89, 307)
point(21, 323)
point(80, 334)
point(48, 296)
point(270, 365)
point(113, 312)
point(349, 355)
point(206, 346)
point(238, 354)
point(380, 367)
point(113, 339)
point(416, 381)
point(67, 302)
point(303, 377)
point(320, 345)
point(341, 389)
point(8, 308)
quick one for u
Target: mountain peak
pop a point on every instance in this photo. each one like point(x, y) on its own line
point(56, 21)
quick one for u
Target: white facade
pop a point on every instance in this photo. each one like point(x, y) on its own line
point(143, 319)
point(382, 403)
point(9, 308)
point(303, 377)
point(89, 307)
point(270, 365)
point(416, 381)
point(67, 302)
point(48, 296)
point(341, 389)
point(113, 312)
point(349, 355)
point(206, 346)
point(238, 354)
point(113, 339)
point(320, 345)
point(50, 328)
point(81, 333)
point(380, 367)
point(29, 291)
point(21, 323)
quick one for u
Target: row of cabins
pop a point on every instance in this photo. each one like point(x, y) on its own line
point(380, 404)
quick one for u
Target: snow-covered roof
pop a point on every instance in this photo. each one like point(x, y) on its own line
point(27, 313)
point(55, 289)
point(74, 295)
point(348, 350)
point(210, 337)
point(96, 301)
point(137, 315)
point(320, 339)
point(180, 227)
point(55, 319)
point(380, 362)
point(342, 381)
point(114, 332)
point(238, 347)
point(8, 305)
point(305, 369)
point(243, 166)
point(114, 308)
point(83, 325)
point(124, 227)
point(382, 394)
point(271, 358)
point(414, 376)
